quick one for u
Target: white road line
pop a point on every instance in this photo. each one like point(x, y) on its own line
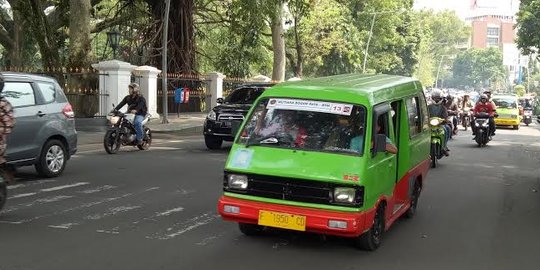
point(96, 190)
point(112, 211)
point(183, 227)
point(64, 187)
point(33, 183)
point(170, 211)
point(37, 202)
point(65, 226)
point(22, 195)
point(79, 207)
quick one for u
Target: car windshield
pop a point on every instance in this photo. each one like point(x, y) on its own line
point(306, 124)
point(509, 103)
point(244, 96)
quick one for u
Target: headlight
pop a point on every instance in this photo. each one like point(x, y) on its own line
point(344, 195)
point(485, 124)
point(211, 115)
point(434, 122)
point(114, 119)
point(237, 181)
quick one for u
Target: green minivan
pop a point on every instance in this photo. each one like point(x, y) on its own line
point(315, 156)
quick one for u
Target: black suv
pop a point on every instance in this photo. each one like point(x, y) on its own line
point(218, 123)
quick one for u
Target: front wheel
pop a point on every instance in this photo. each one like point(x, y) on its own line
point(111, 141)
point(371, 240)
point(434, 155)
point(213, 142)
point(52, 159)
point(147, 141)
point(516, 127)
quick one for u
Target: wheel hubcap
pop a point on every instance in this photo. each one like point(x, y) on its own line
point(55, 158)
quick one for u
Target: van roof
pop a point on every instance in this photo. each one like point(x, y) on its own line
point(349, 87)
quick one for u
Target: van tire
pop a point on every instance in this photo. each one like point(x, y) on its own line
point(516, 127)
point(53, 151)
point(213, 142)
point(250, 229)
point(414, 201)
point(3, 194)
point(371, 240)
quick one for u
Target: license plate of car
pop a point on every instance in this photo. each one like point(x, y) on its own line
point(226, 124)
point(282, 220)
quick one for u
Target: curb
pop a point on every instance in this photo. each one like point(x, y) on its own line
point(187, 130)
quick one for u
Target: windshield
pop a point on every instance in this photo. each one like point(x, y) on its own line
point(244, 96)
point(307, 125)
point(509, 103)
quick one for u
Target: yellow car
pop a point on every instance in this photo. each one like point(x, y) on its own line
point(508, 110)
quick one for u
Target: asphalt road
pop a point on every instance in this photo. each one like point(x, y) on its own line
point(156, 209)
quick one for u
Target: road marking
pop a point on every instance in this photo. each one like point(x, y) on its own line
point(65, 226)
point(64, 187)
point(79, 207)
point(116, 230)
point(37, 202)
point(96, 190)
point(33, 183)
point(183, 227)
point(112, 211)
point(169, 212)
point(22, 195)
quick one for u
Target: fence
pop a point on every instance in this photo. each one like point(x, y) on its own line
point(198, 93)
point(80, 85)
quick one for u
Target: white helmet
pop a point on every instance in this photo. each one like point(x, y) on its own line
point(436, 96)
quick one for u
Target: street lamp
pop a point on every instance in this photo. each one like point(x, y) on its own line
point(439, 69)
point(113, 37)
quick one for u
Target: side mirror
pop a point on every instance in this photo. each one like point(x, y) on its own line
point(219, 100)
point(235, 126)
point(380, 143)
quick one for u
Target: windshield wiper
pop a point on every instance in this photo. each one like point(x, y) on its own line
point(265, 140)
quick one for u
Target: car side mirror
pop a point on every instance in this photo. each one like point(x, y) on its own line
point(235, 126)
point(380, 146)
point(219, 100)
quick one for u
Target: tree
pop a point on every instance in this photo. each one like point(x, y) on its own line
point(528, 23)
point(520, 90)
point(80, 53)
point(478, 68)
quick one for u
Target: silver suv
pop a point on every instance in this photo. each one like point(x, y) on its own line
point(44, 134)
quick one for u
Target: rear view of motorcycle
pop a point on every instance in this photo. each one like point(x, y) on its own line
point(483, 132)
point(122, 132)
point(437, 140)
point(466, 118)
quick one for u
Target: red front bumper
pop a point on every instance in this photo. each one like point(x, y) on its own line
point(316, 219)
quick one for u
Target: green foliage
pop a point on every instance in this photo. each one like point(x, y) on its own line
point(478, 68)
point(528, 23)
point(520, 90)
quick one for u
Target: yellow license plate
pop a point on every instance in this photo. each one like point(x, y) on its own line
point(282, 220)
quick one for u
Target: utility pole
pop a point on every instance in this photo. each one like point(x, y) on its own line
point(368, 41)
point(164, 44)
point(439, 70)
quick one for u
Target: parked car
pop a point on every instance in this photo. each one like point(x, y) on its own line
point(218, 123)
point(44, 134)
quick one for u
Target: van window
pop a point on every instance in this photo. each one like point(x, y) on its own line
point(307, 125)
point(48, 91)
point(505, 102)
point(19, 94)
point(413, 110)
point(424, 112)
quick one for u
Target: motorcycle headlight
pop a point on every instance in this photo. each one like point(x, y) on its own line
point(344, 195)
point(485, 124)
point(434, 122)
point(211, 115)
point(236, 181)
point(114, 120)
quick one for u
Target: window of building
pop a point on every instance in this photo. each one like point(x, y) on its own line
point(493, 41)
point(493, 31)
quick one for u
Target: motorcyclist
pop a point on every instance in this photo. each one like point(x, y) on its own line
point(453, 110)
point(136, 105)
point(466, 105)
point(492, 121)
point(437, 109)
point(484, 105)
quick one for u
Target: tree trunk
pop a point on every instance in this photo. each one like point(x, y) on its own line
point(80, 52)
point(299, 67)
point(278, 44)
point(181, 36)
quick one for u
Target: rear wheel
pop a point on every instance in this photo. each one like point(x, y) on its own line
point(52, 159)
point(250, 229)
point(111, 141)
point(147, 141)
point(371, 240)
point(414, 200)
point(213, 142)
point(3, 194)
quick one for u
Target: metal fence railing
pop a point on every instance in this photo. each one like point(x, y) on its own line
point(198, 93)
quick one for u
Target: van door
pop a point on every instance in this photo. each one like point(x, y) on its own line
point(23, 143)
point(384, 164)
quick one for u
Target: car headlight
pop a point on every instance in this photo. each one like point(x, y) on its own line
point(236, 181)
point(211, 115)
point(344, 195)
point(434, 122)
point(114, 119)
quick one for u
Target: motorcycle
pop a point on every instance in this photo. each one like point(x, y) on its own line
point(483, 132)
point(466, 118)
point(527, 116)
point(122, 132)
point(437, 140)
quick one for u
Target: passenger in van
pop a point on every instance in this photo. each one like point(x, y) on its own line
point(342, 136)
point(390, 147)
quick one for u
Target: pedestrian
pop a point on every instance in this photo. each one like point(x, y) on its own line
point(7, 122)
point(136, 105)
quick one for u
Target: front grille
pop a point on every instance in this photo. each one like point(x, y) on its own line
point(292, 189)
point(230, 117)
point(505, 116)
